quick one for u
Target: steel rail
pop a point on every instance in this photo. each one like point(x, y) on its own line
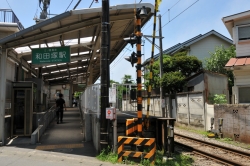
point(246, 154)
point(213, 156)
point(209, 155)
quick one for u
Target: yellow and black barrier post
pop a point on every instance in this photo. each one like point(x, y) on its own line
point(147, 142)
point(131, 127)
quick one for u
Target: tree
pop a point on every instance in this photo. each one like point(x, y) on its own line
point(127, 79)
point(218, 60)
point(176, 69)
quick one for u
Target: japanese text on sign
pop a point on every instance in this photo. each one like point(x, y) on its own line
point(51, 55)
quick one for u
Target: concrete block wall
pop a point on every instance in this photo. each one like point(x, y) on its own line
point(236, 121)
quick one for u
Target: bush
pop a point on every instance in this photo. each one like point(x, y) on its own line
point(218, 99)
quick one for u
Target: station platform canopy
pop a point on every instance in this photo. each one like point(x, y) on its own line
point(81, 30)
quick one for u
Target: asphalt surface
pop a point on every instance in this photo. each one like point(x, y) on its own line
point(61, 144)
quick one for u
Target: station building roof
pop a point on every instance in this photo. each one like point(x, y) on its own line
point(81, 30)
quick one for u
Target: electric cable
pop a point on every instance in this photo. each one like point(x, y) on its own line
point(175, 16)
point(9, 4)
point(35, 15)
point(179, 14)
point(118, 61)
point(122, 56)
point(77, 4)
point(91, 4)
point(69, 5)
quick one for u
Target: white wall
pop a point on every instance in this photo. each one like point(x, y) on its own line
point(210, 114)
point(202, 48)
point(10, 75)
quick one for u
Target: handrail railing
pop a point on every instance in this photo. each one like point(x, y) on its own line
point(7, 15)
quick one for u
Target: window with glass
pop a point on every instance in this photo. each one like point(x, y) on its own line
point(244, 94)
point(244, 33)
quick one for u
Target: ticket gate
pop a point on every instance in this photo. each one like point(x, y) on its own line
point(24, 103)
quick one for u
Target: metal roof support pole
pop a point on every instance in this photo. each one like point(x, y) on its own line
point(105, 49)
point(3, 56)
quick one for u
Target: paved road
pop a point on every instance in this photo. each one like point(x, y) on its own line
point(62, 144)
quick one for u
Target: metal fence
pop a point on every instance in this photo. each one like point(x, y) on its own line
point(8, 16)
point(90, 99)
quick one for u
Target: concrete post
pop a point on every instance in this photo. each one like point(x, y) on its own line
point(3, 56)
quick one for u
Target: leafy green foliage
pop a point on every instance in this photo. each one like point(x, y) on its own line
point(107, 155)
point(178, 160)
point(176, 69)
point(173, 82)
point(218, 99)
point(218, 60)
point(77, 94)
point(127, 79)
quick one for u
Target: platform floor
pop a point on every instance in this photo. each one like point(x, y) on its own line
point(62, 144)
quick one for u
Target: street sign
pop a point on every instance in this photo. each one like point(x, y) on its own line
point(51, 55)
point(112, 95)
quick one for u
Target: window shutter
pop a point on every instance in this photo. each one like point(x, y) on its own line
point(244, 33)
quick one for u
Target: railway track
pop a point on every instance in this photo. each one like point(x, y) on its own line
point(218, 153)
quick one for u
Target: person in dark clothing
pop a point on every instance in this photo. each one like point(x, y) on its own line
point(60, 104)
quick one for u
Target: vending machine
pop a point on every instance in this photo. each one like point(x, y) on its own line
point(24, 104)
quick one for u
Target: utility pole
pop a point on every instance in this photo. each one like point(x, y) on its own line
point(105, 76)
point(161, 68)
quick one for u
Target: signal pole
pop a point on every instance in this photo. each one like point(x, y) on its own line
point(138, 67)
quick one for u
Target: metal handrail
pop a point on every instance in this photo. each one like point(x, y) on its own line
point(7, 15)
point(43, 116)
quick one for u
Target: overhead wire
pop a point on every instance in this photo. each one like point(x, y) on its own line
point(9, 4)
point(91, 4)
point(125, 47)
point(179, 14)
point(120, 58)
point(77, 4)
point(175, 16)
point(35, 15)
point(69, 5)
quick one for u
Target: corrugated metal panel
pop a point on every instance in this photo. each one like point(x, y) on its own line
point(231, 62)
point(238, 61)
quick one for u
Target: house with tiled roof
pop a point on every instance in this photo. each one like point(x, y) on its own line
point(199, 46)
point(238, 25)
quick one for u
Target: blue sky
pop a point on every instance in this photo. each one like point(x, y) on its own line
point(200, 18)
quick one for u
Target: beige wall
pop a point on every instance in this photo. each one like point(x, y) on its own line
point(65, 92)
point(242, 47)
point(241, 79)
point(236, 121)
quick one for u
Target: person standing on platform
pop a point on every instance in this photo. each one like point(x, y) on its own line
point(60, 104)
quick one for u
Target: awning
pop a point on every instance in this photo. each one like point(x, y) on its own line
point(238, 63)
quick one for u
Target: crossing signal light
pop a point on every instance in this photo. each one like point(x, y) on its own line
point(132, 40)
point(132, 59)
